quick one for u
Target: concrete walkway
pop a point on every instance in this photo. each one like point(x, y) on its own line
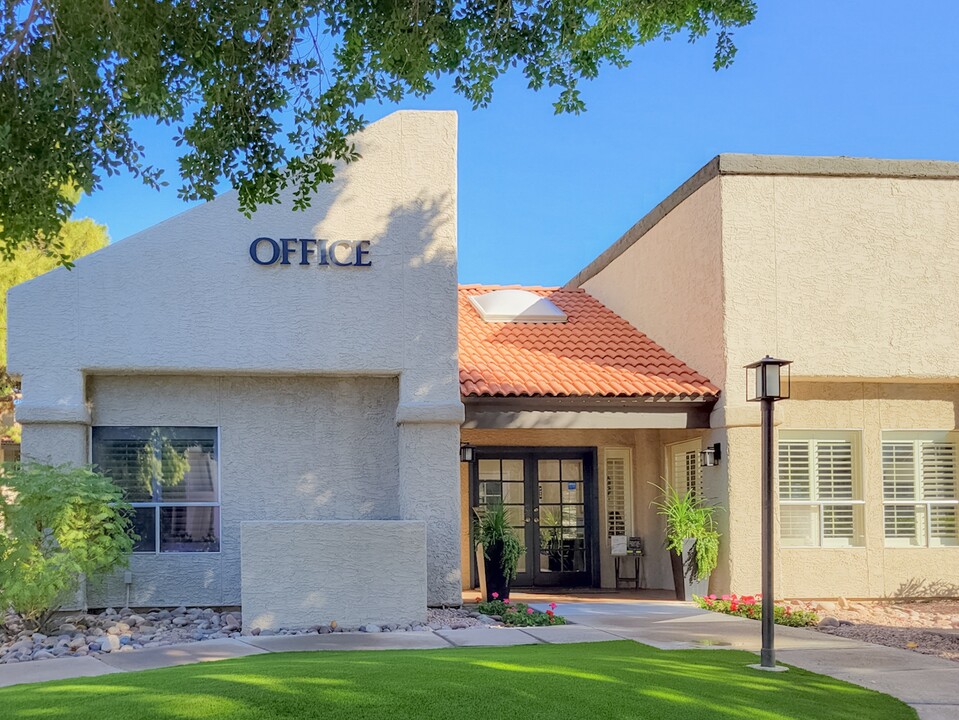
point(928, 684)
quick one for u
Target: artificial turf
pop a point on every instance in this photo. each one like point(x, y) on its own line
point(598, 681)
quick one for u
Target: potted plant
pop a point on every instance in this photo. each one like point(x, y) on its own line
point(501, 549)
point(691, 539)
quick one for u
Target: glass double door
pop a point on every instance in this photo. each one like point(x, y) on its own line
point(548, 495)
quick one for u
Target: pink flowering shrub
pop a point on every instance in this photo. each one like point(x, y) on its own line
point(520, 614)
point(751, 606)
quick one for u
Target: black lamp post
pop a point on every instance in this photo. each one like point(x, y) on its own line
point(768, 386)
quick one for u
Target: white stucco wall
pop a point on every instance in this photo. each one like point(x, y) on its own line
point(291, 448)
point(185, 298)
point(299, 574)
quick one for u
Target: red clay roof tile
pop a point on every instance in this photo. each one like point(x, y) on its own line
point(594, 353)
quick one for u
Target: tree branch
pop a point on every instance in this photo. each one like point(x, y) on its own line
point(16, 42)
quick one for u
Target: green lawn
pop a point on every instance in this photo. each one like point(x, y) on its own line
point(598, 681)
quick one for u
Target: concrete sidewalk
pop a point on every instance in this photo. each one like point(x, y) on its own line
point(929, 684)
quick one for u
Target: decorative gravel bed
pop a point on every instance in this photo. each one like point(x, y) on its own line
point(79, 635)
point(930, 627)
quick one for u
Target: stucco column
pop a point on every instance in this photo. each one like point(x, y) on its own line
point(54, 417)
point(429, 492)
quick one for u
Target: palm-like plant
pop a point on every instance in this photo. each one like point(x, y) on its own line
point(492, 528)
point(688, 516)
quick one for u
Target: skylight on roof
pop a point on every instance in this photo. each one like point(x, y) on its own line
point(503, 306)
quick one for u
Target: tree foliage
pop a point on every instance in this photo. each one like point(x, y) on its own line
point(56, 524)
point(264, 94)
point(75, 239)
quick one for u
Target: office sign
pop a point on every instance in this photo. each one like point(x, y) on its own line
point(310, 251)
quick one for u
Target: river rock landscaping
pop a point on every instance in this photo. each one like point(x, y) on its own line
point(126, 630)
point(930, 627)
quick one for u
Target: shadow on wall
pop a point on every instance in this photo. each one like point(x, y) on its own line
point(892, 391)
point(922, 588)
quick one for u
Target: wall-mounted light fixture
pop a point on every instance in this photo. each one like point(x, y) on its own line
point(711, 456)
point(467, 452)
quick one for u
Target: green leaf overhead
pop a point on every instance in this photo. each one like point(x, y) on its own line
point(263, 95)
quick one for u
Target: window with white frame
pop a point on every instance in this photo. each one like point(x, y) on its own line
point(170, 477)
point(919, 488)
point(617, 464)
point(685, 472)
point(820, 492)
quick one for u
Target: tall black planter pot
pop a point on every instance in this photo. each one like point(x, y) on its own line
point(496, 580)
point(676, 560)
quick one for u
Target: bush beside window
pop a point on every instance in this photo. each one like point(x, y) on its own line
point(57, 523)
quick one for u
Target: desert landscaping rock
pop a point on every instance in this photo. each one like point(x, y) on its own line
point(930, 627)
point(112, 631)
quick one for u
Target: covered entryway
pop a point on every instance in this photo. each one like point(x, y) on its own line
point(551, 496)
point(574, 420)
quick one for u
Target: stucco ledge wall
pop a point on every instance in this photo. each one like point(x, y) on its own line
point(299, 574)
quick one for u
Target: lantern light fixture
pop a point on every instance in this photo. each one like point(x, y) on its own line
point(467, 452)
point(711, 456)
point(765, 380)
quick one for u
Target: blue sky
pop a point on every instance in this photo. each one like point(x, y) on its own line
point(541, 195)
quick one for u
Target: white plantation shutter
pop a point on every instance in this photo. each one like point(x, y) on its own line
point(838, 521)
point(820, 501)
point(938, 471)
point(898, 471)
point(834, 469)
point(618, 478)
point(901, 522)
point(685, 470)
point(920, 488)
point(799, 525)
point(794, 475)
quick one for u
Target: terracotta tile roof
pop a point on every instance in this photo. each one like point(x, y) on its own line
point(594, 353)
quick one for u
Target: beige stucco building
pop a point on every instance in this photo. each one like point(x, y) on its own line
point(849, 268)
point(283, 397)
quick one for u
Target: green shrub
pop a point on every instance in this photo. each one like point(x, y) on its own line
point(56, 524)
point(521, 614)
point(750, 606)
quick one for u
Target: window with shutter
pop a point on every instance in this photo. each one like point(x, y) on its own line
point(819, 494)
point(685, 470)
point(919, 484)
point(618, 477)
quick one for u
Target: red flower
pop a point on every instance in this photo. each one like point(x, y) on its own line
point(733, 606)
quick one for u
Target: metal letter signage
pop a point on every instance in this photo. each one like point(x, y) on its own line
point(310, 251)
